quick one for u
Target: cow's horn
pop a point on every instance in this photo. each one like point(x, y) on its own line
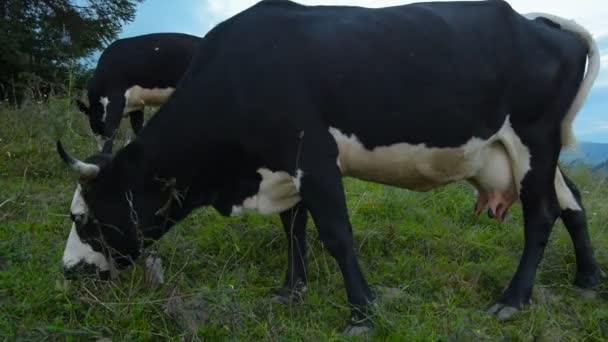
point(86, 170)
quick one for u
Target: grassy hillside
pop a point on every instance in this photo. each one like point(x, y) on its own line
point(436, 267)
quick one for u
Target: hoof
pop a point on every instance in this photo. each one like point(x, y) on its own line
point(589, 281)
point(502, 311)
point(286, 295)
point(588, 294)
point(353, 330)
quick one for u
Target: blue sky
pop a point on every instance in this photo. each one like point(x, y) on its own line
point(198, 16)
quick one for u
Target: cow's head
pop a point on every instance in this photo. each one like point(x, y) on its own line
point(115, 212)
point(96, 113)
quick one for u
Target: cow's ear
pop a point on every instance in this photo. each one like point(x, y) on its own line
point(82, 107)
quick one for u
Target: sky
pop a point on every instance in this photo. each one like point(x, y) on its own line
point(199, 16)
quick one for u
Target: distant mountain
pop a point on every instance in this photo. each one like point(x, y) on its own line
point(602, 167)
point(587, 153)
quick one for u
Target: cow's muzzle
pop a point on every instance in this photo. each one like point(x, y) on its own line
point(85, 270)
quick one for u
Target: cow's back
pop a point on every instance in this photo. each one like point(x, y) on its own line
point(375, 65)
point(150, 61)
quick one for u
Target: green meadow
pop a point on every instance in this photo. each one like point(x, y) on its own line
point(435, 267)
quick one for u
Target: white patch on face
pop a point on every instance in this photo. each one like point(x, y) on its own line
point(100, 141)
point(136, 97)
point(565, 197)
point(297, 180)
point(519, 154)
point(78, 206)
point(77, 251)
point(104, 102)
point(156, 48)
point(278, 192)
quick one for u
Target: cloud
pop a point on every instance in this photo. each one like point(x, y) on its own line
point(212, 12)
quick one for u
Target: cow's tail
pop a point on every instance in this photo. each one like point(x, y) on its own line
point(593, 66)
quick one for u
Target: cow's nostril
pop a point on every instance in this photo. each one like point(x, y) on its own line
point(71, 273)
point(78, 218)
point(105, 275)
point(81, 269)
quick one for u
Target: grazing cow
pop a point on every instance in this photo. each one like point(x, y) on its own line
point(283, 100)
point(133, 73)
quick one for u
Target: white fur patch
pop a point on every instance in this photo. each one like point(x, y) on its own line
point(78, 206)
point(77, 251)
point(565, 197)
point(136, 97)
point(496, 163)
point(104, 102)
point(100, 141)
point(518, 153)
point(415, 167)
point(297, 180)
point(495, 174)
point(278, 192)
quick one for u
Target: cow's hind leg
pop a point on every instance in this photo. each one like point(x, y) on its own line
point(588, 273)
point(541, 210)
point(137, 120)
point(540, 132)
point(294, 223)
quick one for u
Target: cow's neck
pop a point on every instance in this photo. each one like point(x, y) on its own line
point(192, 185)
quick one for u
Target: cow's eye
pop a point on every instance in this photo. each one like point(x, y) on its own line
point(79, 219)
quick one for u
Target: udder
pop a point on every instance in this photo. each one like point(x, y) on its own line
point(495, 183)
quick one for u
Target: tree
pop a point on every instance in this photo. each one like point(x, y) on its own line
point(43, 41)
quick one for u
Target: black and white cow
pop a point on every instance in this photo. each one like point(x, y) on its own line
point(133, 73)
point(284, 100)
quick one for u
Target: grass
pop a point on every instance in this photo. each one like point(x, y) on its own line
point(436, 266)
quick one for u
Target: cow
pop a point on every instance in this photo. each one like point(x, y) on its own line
point(284, 100)
point(133, 73)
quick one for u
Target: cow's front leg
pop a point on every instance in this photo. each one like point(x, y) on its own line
point(323, 194)
point(294, 224)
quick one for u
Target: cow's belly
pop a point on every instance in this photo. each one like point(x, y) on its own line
point(136, 97)
point(414, 167)
point(495, 167)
